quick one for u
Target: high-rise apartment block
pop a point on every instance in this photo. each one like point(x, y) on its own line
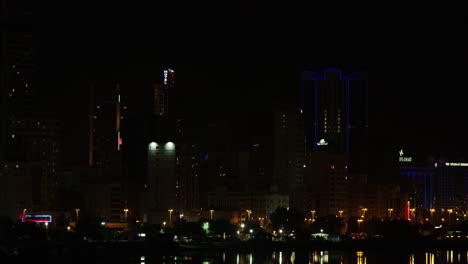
point(335, 110)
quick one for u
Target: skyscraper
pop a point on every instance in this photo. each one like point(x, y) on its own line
point(335, 109)
point(161, 93)
point(107, 113)
point(162, 185)
point(106, 116)
point(288, 149)
point(17, 48)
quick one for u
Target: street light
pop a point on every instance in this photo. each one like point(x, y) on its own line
point(390, 210)
point(211, 214)
point(432, 214)
point(450, 211)
point(359, 224)
point(364, 210)
point(341, 213)
point(248, 216)
point(261, 219)
point(77, 213)
point(313, 214)
point(170, 216)
point(125, 213)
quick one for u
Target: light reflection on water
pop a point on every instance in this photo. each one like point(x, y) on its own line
point(312, 257)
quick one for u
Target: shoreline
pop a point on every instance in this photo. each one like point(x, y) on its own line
point(131, 248)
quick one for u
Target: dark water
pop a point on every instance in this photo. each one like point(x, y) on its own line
point(319, 257)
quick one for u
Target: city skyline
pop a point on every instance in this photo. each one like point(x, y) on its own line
point(229, 83)
point(228, 64)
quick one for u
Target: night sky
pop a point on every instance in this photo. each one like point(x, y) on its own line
point(233, 61)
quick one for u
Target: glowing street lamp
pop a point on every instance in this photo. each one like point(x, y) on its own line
point(261, 220)
point(211, 214)
point(77, 210)
point(450, 211)
point(364, 210)
point(432, 215)
point(170, 216)
point(341, 213)
point(125, 213)
point(390, 210)
point(248, 214)
point(359, 224)
point(313, 214)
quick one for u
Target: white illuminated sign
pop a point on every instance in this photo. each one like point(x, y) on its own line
point(405, 159)
point(322, 142)
point(456, 164)
point(165, 76)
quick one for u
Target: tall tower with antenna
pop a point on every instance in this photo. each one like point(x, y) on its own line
point(105, 129)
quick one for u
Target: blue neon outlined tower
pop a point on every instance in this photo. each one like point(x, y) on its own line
point(335, 109)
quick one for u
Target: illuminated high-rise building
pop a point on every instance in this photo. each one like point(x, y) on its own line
point(107, 116)
point(29, 141)
point(17, 69)
point(106, 132)
point(288, 149)
point(161, 94)
point(335, 109)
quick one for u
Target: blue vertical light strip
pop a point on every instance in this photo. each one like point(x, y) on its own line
point(367, 104)
point(425, 191)
point(314, 142)
point(301, 92)
point(431, 191)
point(348, 121)
point(302, 107)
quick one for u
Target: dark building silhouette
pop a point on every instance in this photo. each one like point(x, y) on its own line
point(17, 69)
point(335, 108)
